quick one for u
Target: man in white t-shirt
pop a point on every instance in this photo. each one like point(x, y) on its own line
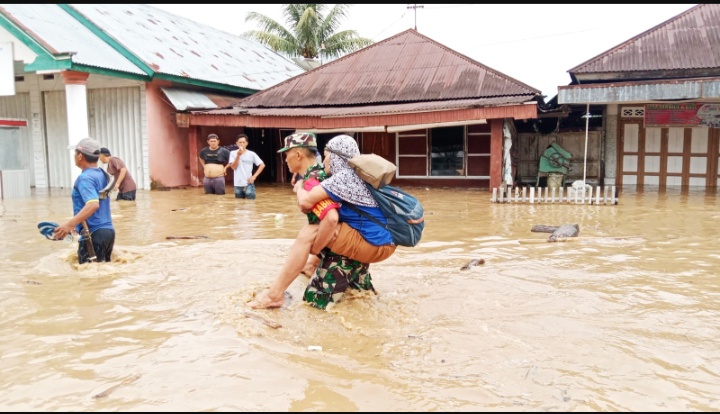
point(242, 162)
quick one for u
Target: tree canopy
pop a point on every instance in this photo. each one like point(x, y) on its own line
point(312, 31)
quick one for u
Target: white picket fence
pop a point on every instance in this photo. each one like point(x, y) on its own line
point(591, 195)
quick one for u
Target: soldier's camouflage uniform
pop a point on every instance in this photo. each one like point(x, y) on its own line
point(335, 273)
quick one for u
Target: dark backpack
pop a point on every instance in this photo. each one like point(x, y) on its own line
point(404, 214)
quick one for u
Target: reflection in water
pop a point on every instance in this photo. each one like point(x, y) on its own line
point(623, 318)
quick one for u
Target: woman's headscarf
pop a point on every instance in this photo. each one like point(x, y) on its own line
point(343, 181)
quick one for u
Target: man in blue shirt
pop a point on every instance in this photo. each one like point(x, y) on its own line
point(91, 206)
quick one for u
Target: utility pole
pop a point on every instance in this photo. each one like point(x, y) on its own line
point(415, 7)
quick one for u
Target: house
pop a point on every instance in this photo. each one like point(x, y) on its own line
point(440, 116)
point(659, 93)
point(119, 73)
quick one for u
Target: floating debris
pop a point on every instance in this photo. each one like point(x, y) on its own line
point(111, 389)
point(266, 321)
point(473, 262)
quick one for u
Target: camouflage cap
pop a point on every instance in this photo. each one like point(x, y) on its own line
point(299, 139)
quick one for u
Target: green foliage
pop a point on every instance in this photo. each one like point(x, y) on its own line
point(311, 27)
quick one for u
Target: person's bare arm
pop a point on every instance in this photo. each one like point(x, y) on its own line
point(252, 178)
point(236, 161)
point(307, 199)
point(88, 210)
point(121, 177)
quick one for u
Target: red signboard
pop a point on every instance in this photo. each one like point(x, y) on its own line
point(11, 122)
point(682, 114)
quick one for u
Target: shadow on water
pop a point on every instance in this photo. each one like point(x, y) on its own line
point(621, 318)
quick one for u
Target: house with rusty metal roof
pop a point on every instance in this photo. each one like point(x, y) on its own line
point(441, 117)
point(119, 73)
point(660, 96)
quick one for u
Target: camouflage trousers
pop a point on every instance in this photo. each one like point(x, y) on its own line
point(334, 275)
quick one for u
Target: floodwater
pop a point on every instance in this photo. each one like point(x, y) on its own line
point(625, 317)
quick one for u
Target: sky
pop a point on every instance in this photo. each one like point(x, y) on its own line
point(534, 44)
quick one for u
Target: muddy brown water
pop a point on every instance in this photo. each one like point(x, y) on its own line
point(624, 318)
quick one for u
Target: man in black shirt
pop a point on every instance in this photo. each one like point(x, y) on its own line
point(213, 159)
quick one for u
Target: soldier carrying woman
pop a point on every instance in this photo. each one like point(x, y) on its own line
point(344, 241)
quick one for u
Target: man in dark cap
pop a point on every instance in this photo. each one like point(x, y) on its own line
point(91, 207)
point(124, 183)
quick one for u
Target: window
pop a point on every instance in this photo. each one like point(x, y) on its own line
point(456, 151)
point(447, 151)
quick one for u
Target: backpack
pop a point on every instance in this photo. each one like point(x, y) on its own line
point(404, 214)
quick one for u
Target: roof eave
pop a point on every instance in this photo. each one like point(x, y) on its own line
point(695, 89)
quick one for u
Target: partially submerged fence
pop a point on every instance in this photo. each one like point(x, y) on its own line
point(558, 195)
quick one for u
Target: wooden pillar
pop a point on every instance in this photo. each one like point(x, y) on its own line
point(496, 156)
point(280, 166)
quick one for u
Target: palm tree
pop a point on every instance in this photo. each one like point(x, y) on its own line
point(311, 34)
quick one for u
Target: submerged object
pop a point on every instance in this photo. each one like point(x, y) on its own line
point(564, 231)
point(558, 232)
point(473, 262)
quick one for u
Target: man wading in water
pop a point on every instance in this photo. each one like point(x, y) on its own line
point(213, 159)
point(354, 241)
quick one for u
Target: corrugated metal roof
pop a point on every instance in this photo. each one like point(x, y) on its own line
point(407, 67)
point(177, 46)
point(60, 33)
point(690, 40)
point(641, 91)
point(184, 100)
point(379, 109)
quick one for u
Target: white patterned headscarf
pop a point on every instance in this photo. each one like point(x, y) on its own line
point(343, 181)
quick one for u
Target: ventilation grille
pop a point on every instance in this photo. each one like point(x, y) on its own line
point(633, 112)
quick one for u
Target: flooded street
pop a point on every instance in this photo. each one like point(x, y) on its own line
point(624, 318)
